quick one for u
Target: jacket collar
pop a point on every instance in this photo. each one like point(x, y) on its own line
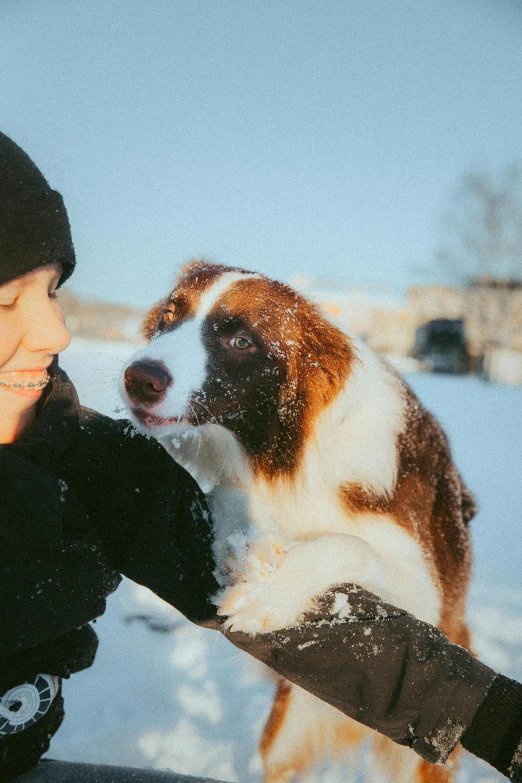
point(31, 487)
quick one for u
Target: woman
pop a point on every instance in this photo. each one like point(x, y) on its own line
point(85, 499)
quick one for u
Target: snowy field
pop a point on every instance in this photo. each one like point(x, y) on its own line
point(165, 694)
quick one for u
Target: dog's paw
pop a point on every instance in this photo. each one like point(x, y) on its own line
point(261, 558)
point(280, 599)
point(262, 606)
point(252, 560)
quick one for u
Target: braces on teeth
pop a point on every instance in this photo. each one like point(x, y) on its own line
point(31, 385)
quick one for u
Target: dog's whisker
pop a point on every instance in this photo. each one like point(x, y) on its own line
point(198, 402)
point(198, 431)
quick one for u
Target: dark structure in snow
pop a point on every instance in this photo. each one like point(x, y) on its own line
point(441, 345)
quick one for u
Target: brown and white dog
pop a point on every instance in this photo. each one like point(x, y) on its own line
point(321, 468)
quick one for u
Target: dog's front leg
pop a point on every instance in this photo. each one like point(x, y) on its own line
point(281, 598)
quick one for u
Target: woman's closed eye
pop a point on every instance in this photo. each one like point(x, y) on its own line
point(10, 304)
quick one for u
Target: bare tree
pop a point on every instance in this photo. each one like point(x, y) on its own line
point(482, 253)
point(483, 231)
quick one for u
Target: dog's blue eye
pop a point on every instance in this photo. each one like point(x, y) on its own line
point(240, 343)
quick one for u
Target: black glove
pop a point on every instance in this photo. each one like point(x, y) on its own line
point(382, 667)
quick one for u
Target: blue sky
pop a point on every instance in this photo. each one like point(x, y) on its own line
point(289, 137)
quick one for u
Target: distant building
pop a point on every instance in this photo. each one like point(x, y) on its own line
point(492, 314)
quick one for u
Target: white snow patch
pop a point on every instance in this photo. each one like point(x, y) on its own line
point(184, 750)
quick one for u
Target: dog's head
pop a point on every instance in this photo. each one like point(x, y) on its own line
point(237, 349)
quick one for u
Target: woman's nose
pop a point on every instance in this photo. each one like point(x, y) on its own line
point(47, 330)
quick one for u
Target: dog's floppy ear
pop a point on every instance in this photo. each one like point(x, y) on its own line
point(151, 320)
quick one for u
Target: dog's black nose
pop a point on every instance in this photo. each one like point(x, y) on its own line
point(147, 381)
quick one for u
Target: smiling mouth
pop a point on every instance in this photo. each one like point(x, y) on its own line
point(150, 420)
point(25, 383)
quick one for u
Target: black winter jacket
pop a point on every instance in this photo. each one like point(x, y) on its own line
point(84, 499)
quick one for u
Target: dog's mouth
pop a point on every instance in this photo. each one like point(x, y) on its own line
point(151, 421)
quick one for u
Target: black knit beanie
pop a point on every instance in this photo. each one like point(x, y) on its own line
point(34, 228)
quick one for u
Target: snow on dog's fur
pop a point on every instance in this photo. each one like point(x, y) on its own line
point(321, 468)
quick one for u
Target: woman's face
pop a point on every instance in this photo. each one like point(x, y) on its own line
point(32, 331)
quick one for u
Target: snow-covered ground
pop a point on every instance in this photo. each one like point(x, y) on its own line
point(166, 694)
